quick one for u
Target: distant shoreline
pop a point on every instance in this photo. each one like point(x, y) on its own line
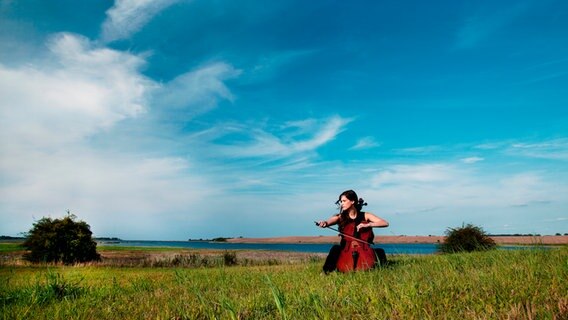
point(503, 240)
point(528, 240)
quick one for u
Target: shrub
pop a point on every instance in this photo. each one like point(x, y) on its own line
point(467, 238)
point(60, 240)
point(229, 258)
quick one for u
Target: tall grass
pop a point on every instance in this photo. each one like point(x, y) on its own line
point(516, 284)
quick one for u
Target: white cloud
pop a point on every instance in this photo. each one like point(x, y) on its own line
point(420, 150)
point(414, 188)
point(437, 196)
point(83, 91)
point(57, 121)
point(109, 190)
point(555, 149)
point(525, 188)
point(127, 17)
point(471, 160)
point(426, 173)
point(490, 145)
point(197, 91)
point(257, 142)
point(365, 143)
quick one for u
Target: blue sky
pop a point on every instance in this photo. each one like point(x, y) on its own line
point(173, 119)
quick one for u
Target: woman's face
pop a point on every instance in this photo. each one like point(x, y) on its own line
point(345, 203)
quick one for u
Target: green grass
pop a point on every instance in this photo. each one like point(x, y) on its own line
point(7, 247)
point(15, 245)
point(135, 248)
point(500, 284)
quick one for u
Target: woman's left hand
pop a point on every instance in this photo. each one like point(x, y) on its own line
point(363, 225)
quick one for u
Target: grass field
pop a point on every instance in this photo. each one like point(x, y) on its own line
point(501, 284)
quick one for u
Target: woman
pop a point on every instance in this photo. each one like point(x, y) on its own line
point(351, 213)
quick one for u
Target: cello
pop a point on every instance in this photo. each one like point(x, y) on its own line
point(356, 253)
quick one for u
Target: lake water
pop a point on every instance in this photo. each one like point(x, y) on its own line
point(390, 248)
point(402, 248)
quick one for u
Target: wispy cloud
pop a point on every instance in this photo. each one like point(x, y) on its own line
point(269, 65)
point(490, 145)
point(419, 150)
point(549, 148)
point(528, 189)
point(400, 174)
point(291, 139)
point(471, 160)
point(197, 91)
point(547, 65)
point(126, 17)
point(483, 25)
point(545, 77)
point(365, 143)
point(556, 149)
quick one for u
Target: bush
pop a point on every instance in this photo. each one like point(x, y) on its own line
point(60, 240)
point(229, 258)
point(467, 238)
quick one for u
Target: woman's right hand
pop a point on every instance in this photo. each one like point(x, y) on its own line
point(322, 224)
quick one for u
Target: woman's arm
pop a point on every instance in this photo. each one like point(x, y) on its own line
point(329, 222)
point(373, 221)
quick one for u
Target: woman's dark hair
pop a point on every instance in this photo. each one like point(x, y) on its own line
point(359, 203)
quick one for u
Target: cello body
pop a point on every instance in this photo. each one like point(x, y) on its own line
point(356, 255)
